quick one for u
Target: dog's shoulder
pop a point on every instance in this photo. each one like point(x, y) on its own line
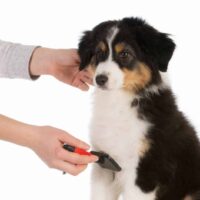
point(174, 155)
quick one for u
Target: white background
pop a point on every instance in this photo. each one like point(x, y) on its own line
point(59, 24)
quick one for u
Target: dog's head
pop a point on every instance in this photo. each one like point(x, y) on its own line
point(126, 54)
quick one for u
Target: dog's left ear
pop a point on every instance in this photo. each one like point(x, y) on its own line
point(157, 48)
point(85, 49)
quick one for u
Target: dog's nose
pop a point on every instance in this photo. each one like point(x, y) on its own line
point(101, 80)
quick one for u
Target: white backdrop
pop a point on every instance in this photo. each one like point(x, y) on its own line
point(59, 24)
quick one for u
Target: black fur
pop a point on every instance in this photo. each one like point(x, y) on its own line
point(152, 47)
point(173, 162)
point(89, 41)
point(172, 165)
point(156, 48)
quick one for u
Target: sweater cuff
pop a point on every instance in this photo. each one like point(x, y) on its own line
point(16, 61)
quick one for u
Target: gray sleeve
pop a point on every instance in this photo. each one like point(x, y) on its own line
point(14, 60)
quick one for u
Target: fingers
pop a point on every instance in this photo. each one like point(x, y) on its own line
point(87, 79)
point(80, 84)
point(69, 168)
point(71, 157)
point(75, 158)
point(71, 140)
point(83, 86)
point(82, 80)
point(70, 162)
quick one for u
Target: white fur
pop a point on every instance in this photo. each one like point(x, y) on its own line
point(112, 71)
point(110, 38)
point(109, 67)
point(117, 130)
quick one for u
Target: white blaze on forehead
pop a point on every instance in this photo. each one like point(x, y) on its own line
point(109, 67)
point(113, 32)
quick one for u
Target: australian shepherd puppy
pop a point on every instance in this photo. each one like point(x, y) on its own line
point(135, 116)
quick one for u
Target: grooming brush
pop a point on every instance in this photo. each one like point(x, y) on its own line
point(105, 161)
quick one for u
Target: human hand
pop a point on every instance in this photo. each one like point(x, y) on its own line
point(47, 142)
point(63, 64)
point(48, 145)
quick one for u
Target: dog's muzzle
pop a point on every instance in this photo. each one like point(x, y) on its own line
point(101, 80)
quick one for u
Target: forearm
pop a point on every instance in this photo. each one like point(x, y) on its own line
point(16, 132)
point(15, 60)
point(29, 62)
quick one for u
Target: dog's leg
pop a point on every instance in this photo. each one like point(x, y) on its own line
point(137, 194)
point(132, 192)
point(103, 185)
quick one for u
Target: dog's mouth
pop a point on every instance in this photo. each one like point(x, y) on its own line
point(102, 87)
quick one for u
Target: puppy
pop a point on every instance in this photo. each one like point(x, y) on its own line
point(135, 117)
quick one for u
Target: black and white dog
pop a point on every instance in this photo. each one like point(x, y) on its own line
point(135, 117)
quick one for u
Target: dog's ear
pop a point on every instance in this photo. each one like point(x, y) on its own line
point(85, 50)
point(157, 47)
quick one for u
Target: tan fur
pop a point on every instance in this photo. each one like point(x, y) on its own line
point(119, 47)
point(145, 146)
point(102, 46)
point(137, 78)
point(91, 69)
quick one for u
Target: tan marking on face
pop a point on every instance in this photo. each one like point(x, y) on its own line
point(144, 147)
point(119, 47)
point(92, 66)
point(136, 79)
point(102, 46)
point(91, 69)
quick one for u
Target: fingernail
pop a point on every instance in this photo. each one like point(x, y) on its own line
point(95, 158)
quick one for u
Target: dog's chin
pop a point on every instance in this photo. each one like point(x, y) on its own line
point(102, 87)
point(107, 88)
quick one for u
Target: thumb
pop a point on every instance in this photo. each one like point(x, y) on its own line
point(71, 140)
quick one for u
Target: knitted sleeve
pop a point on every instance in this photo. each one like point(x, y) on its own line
point(14, 60)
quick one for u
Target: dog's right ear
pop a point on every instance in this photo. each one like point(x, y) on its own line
point(86, 49)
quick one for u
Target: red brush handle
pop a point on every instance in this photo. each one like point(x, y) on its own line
point(76, 150)
point(82, 152)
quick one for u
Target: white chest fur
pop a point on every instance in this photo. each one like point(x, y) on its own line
point(115, 126)
point(117, 130)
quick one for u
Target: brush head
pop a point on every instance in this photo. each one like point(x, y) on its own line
point(105, 161)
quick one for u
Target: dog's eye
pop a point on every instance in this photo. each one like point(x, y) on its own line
point(124, 54)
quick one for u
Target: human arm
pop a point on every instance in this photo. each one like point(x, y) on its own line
point(15, 59)
point(47, 142)
point(63, 64)
point(30, 62)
